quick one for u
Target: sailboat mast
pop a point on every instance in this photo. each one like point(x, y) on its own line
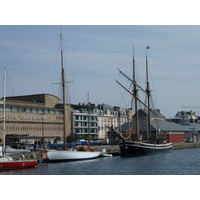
point(89, 119)
point(4, 112)
point(136, 104)
point(63, 91)
point(148, 97)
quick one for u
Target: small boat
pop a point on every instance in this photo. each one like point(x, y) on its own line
point(136, 146)
point(69, 154)
point(7, 162)
point(10, 151)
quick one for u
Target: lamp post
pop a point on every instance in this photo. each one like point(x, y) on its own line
point(42, 129)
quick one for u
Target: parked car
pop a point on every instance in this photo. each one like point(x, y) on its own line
point(189, 140)
point(29, 147)
point(18, 146)
point(23, 146)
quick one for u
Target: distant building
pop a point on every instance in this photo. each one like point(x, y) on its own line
point(187, 115)
point(179, 120)
point(109, 116)
point(156, 116)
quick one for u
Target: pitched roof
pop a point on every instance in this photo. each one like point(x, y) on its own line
point(155, 125)
point(156, 114)
point(168, 126)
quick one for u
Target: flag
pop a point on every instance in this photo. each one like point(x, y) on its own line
point(148, 47)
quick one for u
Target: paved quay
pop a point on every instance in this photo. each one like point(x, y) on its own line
point(186, 145)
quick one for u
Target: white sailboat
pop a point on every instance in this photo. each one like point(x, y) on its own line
point(7, 162)
point(66, 154)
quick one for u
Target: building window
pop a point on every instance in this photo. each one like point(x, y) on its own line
point(57, 112)
point(52, 112)
point(34, 110)
point(14, 109)
point(8, 108)
point(40, 111)
point(28, 110)
point(21, 109)
point(46, 111)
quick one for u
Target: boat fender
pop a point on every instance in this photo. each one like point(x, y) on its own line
point(22, 157)
point(44, 155)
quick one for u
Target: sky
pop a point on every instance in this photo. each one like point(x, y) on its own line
point(92, 54)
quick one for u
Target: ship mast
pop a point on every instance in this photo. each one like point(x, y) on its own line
point(63, 91)
point(135, 93)
point(148, 98)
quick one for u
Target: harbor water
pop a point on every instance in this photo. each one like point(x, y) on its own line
point(176, 162)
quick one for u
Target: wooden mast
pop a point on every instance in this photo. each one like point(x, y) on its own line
point(148, 98)
point(63, 92)
point(135, 93)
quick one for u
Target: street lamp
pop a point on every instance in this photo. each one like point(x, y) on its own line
point(42, 129)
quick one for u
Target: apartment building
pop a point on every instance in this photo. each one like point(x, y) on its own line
point(96, 120)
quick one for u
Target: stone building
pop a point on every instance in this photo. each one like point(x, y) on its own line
point(39, 115)
point(110, 116)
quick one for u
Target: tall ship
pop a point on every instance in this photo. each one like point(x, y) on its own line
point(138, 146)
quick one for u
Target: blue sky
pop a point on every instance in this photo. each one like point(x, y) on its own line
point(92, 56)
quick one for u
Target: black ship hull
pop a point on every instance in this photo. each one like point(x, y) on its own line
point(132, 148)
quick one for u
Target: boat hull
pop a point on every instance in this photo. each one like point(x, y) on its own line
point(19, 164)
point(61, 155)
point(130, 148)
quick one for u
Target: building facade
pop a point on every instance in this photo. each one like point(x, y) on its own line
point(96, 119)
point(110, 117)
point(187, 115)
point(39, 115)
point(84, 122)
